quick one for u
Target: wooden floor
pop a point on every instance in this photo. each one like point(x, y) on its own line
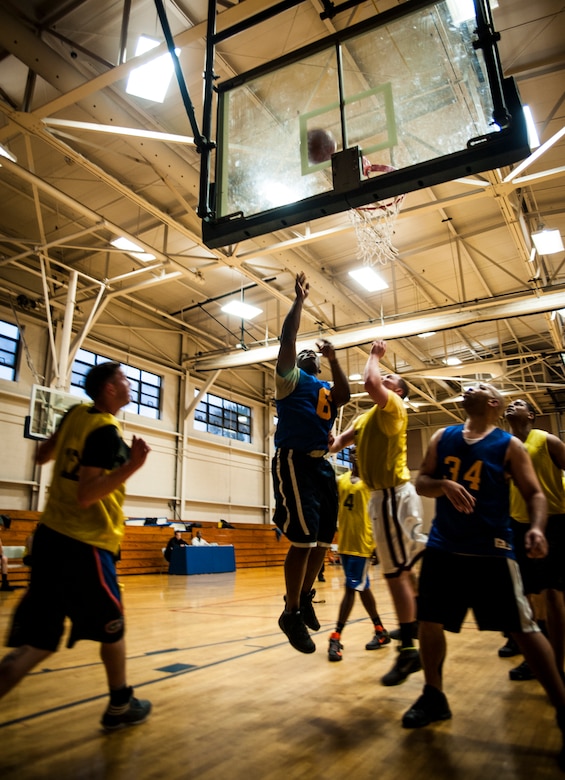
point(232, 699)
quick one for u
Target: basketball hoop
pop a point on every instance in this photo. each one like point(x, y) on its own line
point(374, 224)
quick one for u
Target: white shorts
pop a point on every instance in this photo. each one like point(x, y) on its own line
point(397, 517)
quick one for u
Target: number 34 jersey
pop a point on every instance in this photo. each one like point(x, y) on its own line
point(480, 468)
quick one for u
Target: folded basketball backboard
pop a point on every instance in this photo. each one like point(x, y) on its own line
point(46, 409)
point(410, 90)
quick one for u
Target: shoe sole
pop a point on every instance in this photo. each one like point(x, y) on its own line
point(125, 725)
point(377, 647)
point(390, 684)
point(443, 716)
point(297, 647)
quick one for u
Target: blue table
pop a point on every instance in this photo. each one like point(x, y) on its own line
point(202, 560)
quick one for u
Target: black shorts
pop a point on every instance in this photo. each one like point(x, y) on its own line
point(539, 574)
point(306, 498)
point(450, 585)
point(68, 579)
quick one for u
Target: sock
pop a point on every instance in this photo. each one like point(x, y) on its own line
point(377, 622)
point(121, 696)
point(406, 634)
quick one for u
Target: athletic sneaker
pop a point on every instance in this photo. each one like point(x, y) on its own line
point(431, 706)
point(380, 638)
point(521, 672)
point(335, 648)
point(292, 624)
point(307, 610)
point(407, 663)
point(132, 713)
point(510, 649)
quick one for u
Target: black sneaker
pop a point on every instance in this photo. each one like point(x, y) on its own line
point(510, 649)
point(134, 712)
point(307, 610)
point(6, 587)
point(380, 639)
point(5, 521)
point(521, 672)
point(431, 706)
point(335, 648)
point(292, 624)
point(407, 663)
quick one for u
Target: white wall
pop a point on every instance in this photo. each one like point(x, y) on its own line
point(188, 474)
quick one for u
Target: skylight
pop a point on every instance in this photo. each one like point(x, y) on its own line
point(151, 81)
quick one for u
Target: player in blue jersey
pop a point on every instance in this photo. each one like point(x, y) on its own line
point(303, 480)
point(469, 561)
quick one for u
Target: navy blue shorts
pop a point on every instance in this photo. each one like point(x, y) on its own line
point(68, 579)
point(450, 585)
point(306, 498)
point(539, 574)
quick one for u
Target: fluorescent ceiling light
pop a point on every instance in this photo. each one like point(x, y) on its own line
point(533, 137)
point(368, 279)
point(452, 361)
point(118, 130)
point(132, 249)
point(240, 309)
point(355, 377)
point(548, 242)
point(151, 81)
point(464, 10)
point(427, 334)
point(7, 154)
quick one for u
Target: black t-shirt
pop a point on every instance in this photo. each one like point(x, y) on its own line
point(104, 448)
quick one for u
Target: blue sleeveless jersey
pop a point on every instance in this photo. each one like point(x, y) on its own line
point(306, 415)
point(480, 469)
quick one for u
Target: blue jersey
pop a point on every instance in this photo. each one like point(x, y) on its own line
point(480, 468)
point(305, 415)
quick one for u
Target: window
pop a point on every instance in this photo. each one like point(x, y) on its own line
point(225, 418)
point(9, 350)
point(343, 457)
point(145, 387)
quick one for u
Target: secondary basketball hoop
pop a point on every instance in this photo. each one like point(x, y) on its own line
point(374, 223)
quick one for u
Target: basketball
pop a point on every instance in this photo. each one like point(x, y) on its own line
point(321, 145)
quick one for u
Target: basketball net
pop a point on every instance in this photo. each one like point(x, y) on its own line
point(374, 224)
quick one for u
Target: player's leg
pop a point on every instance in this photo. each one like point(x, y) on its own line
point(17, 663)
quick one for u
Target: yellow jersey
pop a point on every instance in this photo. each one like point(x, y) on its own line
point(102, 524)
point(380, 436)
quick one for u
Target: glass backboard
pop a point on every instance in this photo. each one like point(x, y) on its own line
point(412, 91)
point(46, 410)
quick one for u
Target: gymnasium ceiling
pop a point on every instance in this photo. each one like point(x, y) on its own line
point(463, 267)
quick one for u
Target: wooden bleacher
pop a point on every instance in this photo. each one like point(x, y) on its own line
point(255, 545)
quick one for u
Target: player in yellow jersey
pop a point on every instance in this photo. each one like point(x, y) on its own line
point(75, 545)
point(545, 576)
point(356, 546)
point(395, 508)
